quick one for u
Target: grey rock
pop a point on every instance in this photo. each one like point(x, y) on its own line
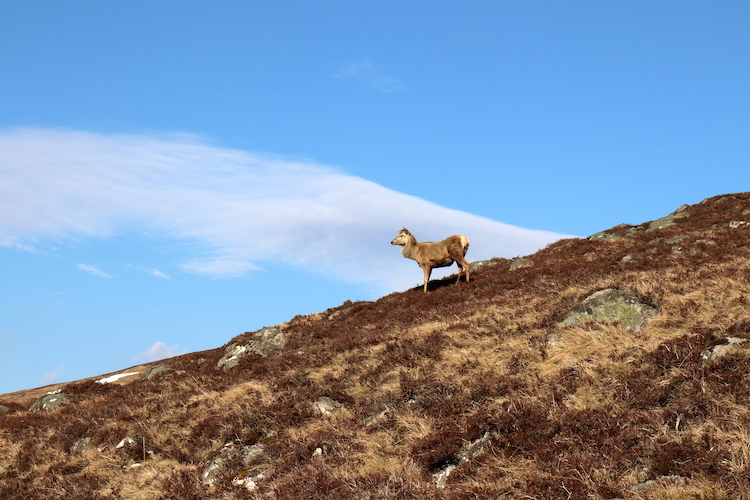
point(267, 341)
point(155, 370)
point(326, 405)
point(80, 445)
point(612, 305)
point(723, 348)
point(668, 220)
point(4, 409)
point(484, 263)
point(468, 452)
point(50, 402)
point(604, 236)
point(520, 263)
point(229, 452)
point(610, 235)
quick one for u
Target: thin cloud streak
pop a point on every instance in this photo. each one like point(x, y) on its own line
point(51, 377)
point(152, 272)
point(241, 209)
point(367, 72)
point(93, 270)
point(158, 351)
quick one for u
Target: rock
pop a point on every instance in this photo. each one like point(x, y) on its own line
point(472, 450)
point(80, 445)
point(249, 478)
point(604, 236)
point(722, 349)
point(484, 263)
point(737, 223)
point(50, 402)
point(127, 442)
point(267, 341)
point(614, 233)
point(323, 448)
point(520, 263)
point(230, 452)
point(4, 409)
point(612, 305)
point(326, 405)
point(668, 220)
point(155, 370)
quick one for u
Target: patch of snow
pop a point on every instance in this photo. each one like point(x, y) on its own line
point(114, 378)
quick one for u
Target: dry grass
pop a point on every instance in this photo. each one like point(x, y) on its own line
point(586, 411)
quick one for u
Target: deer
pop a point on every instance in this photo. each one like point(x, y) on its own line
point(430, 255)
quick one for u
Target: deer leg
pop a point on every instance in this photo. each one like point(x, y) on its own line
point(427, 272)
point(463, 263)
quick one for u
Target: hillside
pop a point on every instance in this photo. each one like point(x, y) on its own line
point(485, 390)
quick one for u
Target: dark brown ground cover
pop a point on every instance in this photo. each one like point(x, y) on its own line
point(585, 411)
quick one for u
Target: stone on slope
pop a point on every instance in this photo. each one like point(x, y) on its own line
point(612, 306)
point(267, 341)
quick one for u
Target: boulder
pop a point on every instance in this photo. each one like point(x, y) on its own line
point(325, 406)
point(669, 220)
point(484, 263)
point(50, 402)
point(612, 306)
point(520, 263)
point(267, 341)
point(723, 348)
point(153, 371)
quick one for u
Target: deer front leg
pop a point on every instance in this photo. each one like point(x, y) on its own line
point(466, 268)
point(427, 272)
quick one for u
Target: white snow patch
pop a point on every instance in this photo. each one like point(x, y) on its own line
point(114, 378)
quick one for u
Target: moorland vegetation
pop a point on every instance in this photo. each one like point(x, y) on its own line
point(471, 391)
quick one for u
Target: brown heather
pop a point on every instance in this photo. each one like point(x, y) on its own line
point(599, 412)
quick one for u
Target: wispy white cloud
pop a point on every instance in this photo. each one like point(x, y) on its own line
point(51, 377)
point(152, 272)
point(238, 210)
point(159, 274)
point(160, 350)
point(93, 270)
point(367, 72)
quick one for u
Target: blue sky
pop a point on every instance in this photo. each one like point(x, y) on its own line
point(176, 173)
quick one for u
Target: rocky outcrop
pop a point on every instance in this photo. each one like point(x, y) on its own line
point(484, 263)
point(520, 263)
point(668, 220)
point(50, 402)
point(266, 342)
point(612, 306)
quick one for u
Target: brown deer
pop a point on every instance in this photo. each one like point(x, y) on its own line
point(430, 255)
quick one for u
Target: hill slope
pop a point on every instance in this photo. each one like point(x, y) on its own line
point(470, 391)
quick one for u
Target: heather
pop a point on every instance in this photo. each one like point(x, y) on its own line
point(552, 410)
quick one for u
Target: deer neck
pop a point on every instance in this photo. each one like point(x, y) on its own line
point(410, 249)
